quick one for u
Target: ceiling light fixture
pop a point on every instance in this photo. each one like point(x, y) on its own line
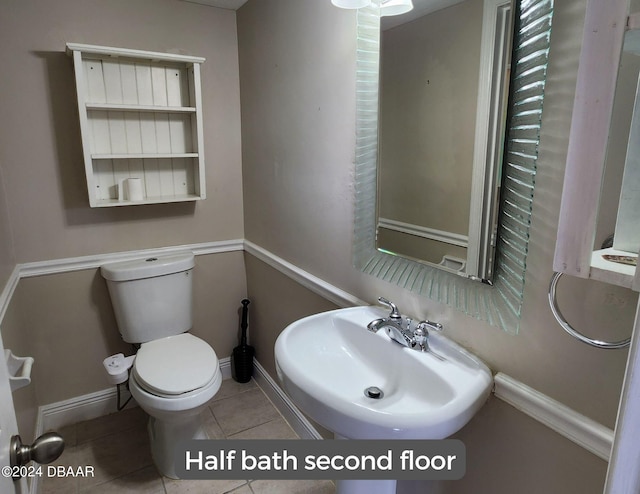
point(387, 7)
point(395, 7)
point(351, 4)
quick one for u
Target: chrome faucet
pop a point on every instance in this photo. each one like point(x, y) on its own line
point(399, 328)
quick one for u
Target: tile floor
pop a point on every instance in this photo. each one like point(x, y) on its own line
point(117, 447)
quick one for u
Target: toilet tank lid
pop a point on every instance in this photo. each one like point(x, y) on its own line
point(149, 267)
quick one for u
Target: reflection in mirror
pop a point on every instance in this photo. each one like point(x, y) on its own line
point(499, 305)
point(443, 94)
point(622, 165)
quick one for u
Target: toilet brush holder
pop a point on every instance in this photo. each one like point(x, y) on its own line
point(242, 356)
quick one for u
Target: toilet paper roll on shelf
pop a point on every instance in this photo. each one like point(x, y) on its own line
point(117, 367)
point(131, 189)
point(19, 370)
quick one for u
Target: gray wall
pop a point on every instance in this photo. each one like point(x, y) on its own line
point(297, 73)
point(65, 321)
point(7, 257)
point(40, 149)
point(297, 82)
point(298, 196)
point(507, 451)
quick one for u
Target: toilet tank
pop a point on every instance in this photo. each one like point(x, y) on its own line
point(152, 297)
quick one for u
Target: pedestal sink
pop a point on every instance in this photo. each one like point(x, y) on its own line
point(328, 364)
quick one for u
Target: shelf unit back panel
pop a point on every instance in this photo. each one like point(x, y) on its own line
point(161, 177)
point(135, 82)
point(120, 132)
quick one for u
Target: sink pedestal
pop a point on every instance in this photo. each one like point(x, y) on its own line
point(366, 487)
point(363, 486)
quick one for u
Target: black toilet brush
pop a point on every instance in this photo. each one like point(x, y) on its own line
point(242, 356)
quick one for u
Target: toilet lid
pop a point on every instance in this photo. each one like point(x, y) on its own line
point(175, 364)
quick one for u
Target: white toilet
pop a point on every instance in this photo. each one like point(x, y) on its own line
point(174, 373)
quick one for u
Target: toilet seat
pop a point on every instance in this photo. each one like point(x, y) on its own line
point(175, 365)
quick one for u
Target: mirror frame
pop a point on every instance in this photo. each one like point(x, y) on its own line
point(499, 305)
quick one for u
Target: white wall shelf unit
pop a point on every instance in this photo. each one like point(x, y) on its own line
point(575, 253)
point(140, 117)
point(602, 43)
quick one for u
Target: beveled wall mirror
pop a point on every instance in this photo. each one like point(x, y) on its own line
point(501, 304)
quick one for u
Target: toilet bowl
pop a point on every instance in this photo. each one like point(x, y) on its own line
point(174, 374)
point(172, 380)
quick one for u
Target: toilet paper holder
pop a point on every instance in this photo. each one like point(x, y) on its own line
point(19, 370)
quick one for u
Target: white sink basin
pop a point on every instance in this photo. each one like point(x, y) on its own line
point(327, 361)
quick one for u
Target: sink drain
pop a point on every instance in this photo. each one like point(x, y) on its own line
point(373, 392)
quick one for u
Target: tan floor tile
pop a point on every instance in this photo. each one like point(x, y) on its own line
point(211, 426)
point(70, 435)
point(58, 486)
point(145, 481)
point(127, 419)
point(293, 487)
point(61, 485)
point(117, 446)
point(115, 455)
point(243, 411)
point(276, 429)
point(245, 489)
point(201, 486)
point(230, 388)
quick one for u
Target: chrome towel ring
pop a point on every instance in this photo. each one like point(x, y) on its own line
point(553, 303)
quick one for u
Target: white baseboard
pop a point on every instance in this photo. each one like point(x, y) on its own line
point(576, 427)
point(57, 415)
point(225, 367)
point(285, 406)
point(90, 406)
point(580, 429)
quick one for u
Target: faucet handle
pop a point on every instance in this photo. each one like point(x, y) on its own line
point(395, 314)
point(420, 338)
point(434, 326)
point(421, 334)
